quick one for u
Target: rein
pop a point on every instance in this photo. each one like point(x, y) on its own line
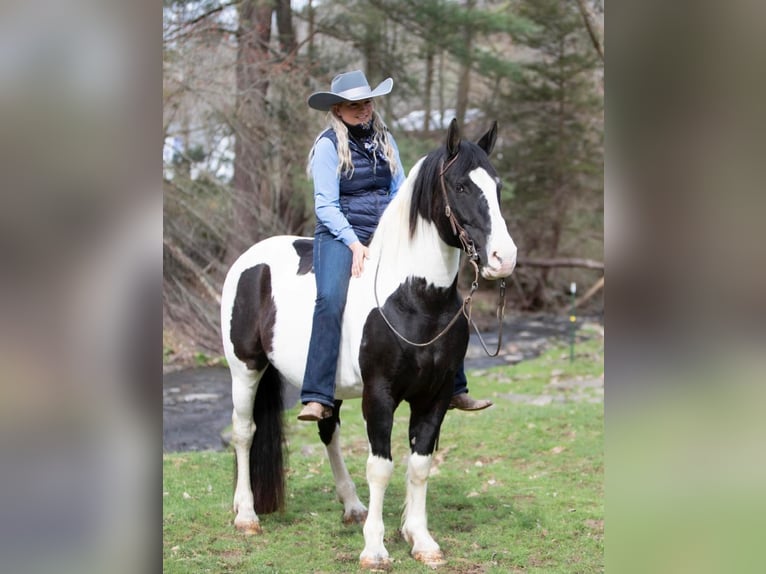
point(472, 256)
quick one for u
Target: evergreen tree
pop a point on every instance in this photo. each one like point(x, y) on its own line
point(555, 162)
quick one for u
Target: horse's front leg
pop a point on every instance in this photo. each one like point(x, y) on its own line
point(379, 416)
point(424, 431)
point(354, 512)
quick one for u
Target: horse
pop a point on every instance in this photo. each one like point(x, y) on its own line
point(404, 334)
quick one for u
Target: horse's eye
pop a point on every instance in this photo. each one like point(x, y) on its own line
point(459, 188)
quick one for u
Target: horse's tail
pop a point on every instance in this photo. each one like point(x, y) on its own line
point(267, 477)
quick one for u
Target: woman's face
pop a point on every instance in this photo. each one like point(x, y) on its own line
point(355, 113)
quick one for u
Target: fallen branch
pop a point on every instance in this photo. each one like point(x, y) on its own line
point(560, 262)
point(595, 288)
point(590, 292)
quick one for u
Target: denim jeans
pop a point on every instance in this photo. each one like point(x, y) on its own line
point(461, 383)
point(332, 269)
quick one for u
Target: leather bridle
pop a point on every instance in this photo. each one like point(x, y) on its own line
point(473, 257)
point(457, 229)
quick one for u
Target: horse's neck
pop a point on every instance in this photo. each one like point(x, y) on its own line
point(429, 257)
point(398, 256)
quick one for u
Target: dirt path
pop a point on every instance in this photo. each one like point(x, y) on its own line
point(197, 401)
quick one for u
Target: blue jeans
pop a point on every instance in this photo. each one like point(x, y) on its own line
point(332, 270)
point(461, 383)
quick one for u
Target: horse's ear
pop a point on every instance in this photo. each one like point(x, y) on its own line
point(487, 141)
point(453, 138)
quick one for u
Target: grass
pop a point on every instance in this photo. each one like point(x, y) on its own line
point(516, 488)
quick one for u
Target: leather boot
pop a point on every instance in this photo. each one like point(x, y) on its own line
point(314, 411)
point(463, 402)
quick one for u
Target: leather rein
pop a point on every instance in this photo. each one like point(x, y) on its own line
point(472, 256)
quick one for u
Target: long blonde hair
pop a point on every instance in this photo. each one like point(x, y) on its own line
point(380, 139)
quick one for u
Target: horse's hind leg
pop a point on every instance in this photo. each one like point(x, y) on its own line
point(424, 431)
point(354, 512)
point(244, 385)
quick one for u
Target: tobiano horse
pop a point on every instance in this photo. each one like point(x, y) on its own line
point(406, 298)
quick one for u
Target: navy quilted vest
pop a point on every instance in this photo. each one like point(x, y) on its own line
point(366, 194)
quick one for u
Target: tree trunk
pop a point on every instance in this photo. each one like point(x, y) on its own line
point(372, 49)
point(287, 42)
point(442, 120)
point(311, 48)
point(428, 88)
point(464, 80)
point(250, 191)
point(595, 37)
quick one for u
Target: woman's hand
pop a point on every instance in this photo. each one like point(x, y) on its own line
point(360, 253)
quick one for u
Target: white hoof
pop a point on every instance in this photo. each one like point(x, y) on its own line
point(375, 563)
point(432, 558)
point(248, 527)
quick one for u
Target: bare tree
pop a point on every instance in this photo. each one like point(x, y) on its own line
point(249, 193)
point(229, 90)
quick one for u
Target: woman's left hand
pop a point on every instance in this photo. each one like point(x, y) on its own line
point(360, 253)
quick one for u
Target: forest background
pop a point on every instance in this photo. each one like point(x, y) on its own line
point(237, 129)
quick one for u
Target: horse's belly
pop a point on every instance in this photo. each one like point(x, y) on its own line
point(358, 306)
point(294, 302)
point(294, 298)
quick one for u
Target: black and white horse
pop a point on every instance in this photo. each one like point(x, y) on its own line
point(448, 203)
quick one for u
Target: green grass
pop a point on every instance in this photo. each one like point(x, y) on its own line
point(516, 488)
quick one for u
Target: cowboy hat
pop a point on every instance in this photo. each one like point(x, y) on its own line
point(348, 87)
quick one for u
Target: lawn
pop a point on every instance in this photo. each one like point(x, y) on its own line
point(515, 488)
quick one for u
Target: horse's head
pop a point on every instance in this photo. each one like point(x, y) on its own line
point(464, 201)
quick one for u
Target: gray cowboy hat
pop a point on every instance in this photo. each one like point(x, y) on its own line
point(348, 87)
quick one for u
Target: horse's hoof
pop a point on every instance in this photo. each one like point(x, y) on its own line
point(355, 517)
point(432, 559)
point(375, 564)
point(248, 527)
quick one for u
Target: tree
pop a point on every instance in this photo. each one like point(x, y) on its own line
point(262, 205)
point(464, 75)
point(253, 37)
point(556, 163)
point(230, 98)
point(235, 111)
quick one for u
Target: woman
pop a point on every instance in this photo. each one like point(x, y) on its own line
point(356, 170)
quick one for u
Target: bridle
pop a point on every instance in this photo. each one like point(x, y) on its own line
point(472, 256)
point(457, 229)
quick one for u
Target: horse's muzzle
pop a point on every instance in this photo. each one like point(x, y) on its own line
point(499, 266)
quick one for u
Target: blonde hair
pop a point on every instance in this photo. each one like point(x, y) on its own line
point(380, 139)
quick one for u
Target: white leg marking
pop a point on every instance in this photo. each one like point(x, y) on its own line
point(414, 519)
point(379, 472)
point(354, 512)
point(243, 394)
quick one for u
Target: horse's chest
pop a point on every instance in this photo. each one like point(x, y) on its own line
point(418, 332)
